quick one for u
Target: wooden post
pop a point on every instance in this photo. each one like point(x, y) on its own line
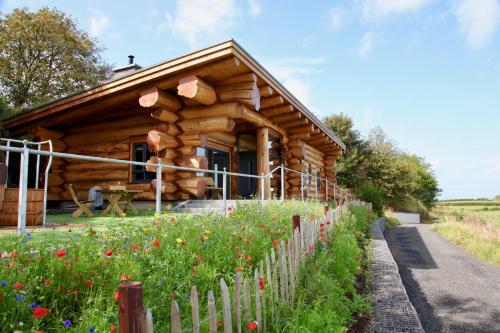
point(263, 159)
point(296, 222)
point(130, 307)
point(325, 210)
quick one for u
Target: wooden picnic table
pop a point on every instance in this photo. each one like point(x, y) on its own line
point(214, 192)
point(115, 197)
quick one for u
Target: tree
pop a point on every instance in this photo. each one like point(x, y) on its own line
point(351, 167)
point(44, 56)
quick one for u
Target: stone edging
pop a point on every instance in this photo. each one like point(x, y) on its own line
point(393, 311)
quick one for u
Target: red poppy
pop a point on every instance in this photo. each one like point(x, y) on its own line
point(251, 325)
point(262, 225)
point(248, 257)
point(109, 253)
point(61, 253)
point(262, 283)
point(89, 283)
point(111, 328)
point(39, 313)
point(238, 269)
point(75, 259)
point(238, 256)
point(200, 258)
point(321, 225)
point(219, 323)
point(116, 296)
point(17, 285)
point(156, 243)
point(46, 283)
point(12, 254)
point(1, 297)
point(135, 247)
point(275, 243)
point(310, 248)
point(328, 222)
point(229, 209)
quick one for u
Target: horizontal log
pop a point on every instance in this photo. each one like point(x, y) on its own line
point(300, 129)
point(227, 139)
point(232, 110)
point(197, 162)
point(185, 174)
point(163, 161)
point(168, 128)
point(294, 123)
point(195, 88)
point(266, 91)
point(248, 77)
point(297, 152)
point(107, 135)
point(277, 110)
point(157, 141)
point(87, 166)
point(114, 146)
point(165, 115)
point(271, 101)
point(117, 155)
point(113, 124)
point(193, 186)
point(96, 175)
point(43, 133)
point(168, 154)
point(236, 86)
point(156, 98)
point(177, 196)
point(285, 117)
point(208, 124)
point(193, 139)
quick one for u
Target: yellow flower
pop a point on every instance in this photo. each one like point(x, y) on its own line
point(208, 232)
point(105, 236)
point(157, 216)
point(180, 241)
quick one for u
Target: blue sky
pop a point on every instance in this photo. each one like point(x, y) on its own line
point(426, 71)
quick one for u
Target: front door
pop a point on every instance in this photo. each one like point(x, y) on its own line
point(247, 163)
point(219, 161)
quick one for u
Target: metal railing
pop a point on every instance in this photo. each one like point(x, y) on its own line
point(26, 152)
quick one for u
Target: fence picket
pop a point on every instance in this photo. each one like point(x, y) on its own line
point(283, 270)
point(247, 301)
point(236, 300)
point(147, 325)
point(263, 295)
point(258, 313)
point(275, 276)
point(212, 313)
point(291, 278)
point(175, 318)
point(269, 279)
point(226, 305)
point(195, 312)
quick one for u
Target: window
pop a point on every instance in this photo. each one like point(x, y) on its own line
point(140, 153)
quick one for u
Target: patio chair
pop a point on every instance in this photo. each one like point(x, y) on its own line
point(83, 206)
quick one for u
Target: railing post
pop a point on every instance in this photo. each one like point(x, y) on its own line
point(7, 157)
point(335, 194)
point(130, 307)
point(224, 189)
point(326, 190)
point(282, 183)
point(23, 190)
point(262, 188)
point(158, 189)
point(37, 174)
point(316, 187)
point(301, 186)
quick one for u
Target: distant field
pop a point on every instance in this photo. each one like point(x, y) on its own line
point(471, 224)
point(486, 210)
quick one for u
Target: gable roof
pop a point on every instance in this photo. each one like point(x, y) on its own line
point(164, 71)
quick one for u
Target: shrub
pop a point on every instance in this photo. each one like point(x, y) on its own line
point(371, 193)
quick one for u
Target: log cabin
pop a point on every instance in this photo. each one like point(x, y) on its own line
point(213, 108)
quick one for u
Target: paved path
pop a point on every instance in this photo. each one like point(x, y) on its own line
point(451, 290)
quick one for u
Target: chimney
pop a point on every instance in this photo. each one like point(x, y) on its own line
point(130, 59)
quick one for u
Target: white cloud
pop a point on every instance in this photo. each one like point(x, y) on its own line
point(198, 20)
point(336, 19)
point(254, 7)
point(478, 20)
point(294, 74)
point(98, 23)
point(366, 44)
point(373, 9)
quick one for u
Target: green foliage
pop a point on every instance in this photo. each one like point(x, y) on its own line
point(401, 177)
point(44, 56)
point(190, 250)
point(369, 192)
point(330, 298)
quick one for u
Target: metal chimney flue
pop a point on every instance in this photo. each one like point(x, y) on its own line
point(130, 59)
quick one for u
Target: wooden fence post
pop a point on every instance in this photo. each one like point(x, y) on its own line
point(295, 222)
point(325, 210)
point(130, 307)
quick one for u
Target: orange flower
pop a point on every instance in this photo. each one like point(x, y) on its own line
point(238, 256)
point(116, 296)
point(46, 283)
point(135, 247)
point(238, 269)
point(248, 257)
point(89, 283)
point(111, 328)
point(156, 243)
point(275, 243)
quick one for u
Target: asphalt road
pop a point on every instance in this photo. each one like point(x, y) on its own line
point(451, 290)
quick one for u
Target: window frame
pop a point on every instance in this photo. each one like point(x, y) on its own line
point(132, 174)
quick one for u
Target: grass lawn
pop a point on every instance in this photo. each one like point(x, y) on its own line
point(474, 225)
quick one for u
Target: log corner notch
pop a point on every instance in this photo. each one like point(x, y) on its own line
point(196, 89)
point(156, 98)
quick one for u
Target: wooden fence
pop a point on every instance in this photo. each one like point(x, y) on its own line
point(273, 284)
